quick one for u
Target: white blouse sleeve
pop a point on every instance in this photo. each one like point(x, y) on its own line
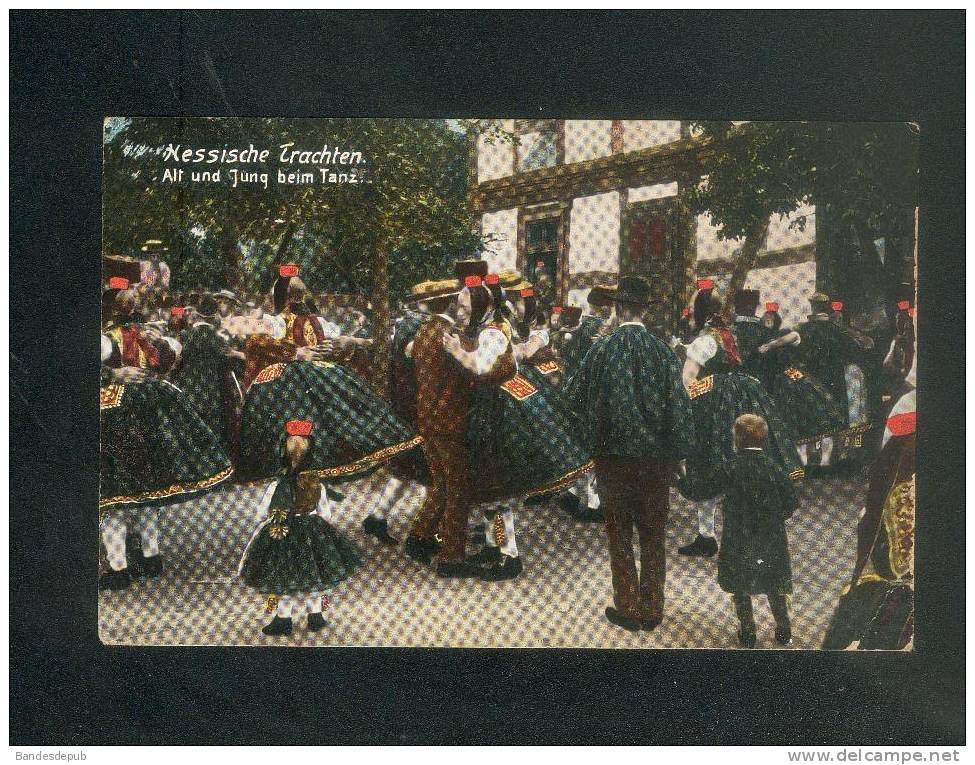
point(106, 348)
point(491, 345)
point(331, 329)
point(702, 350)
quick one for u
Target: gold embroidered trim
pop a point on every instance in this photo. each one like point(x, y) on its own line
point(547, 367)
point(794, 374)
point(169, 491)
point(853, 436)
point(797, 474)
point(270, 373)
point(561, 483)
point(898, 514)
point(368, 461)
point(519, 388)
point(271, 604)
point(111, 396)
point(701, 387)
point(278, 532)
point(498, 527)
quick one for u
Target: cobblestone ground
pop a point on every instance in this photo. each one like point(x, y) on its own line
point(392, 601)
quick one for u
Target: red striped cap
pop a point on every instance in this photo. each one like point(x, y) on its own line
point(288, 269)
point(472, 281)
point(177, 310)
point(528, 292)
point(705, 284)
point(904, 305)
point(556, 309)
point(118, 283)
point(837, 305)
point(772, 307)
point(492, 279)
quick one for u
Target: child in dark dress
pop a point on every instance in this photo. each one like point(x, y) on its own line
point(296, 554)
point(754, 554)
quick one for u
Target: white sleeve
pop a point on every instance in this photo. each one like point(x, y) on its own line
point(276, 325)
point(106, 348)
point(330, 329)
point(174, 344)
point(702, 350)
point(324, 509)
point(491, 345)
point(542, 333)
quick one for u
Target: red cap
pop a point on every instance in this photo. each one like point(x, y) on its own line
point(556, 309)
point(539, 264)
point(492, 279)
point(288, 269)
point(298, 428)
point(118, 283)
point(904, 305)
point(837, 305)
point(705, 284)
point(686, 312)
point(472, 281)
point(772, 307)
point(528, 292)
point(177, 310)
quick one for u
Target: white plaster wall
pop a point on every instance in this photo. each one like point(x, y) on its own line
point(789, 286)
point(709, 246)
point(502, 253)
point(781, 236)
point(656, 191)
point(587, 139)
point(578, 297)
point(495, 160)
point(594, 233)
point(641, 134)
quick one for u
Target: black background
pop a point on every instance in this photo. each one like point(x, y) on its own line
point(70, 70)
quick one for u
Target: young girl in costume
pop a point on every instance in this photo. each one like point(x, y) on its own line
point(296, 554)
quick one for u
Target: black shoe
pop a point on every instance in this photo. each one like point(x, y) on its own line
point(278, 626)
point(615, 617)
point(316, 621)
point(506, 568)
point(379, 528)
point(783, 635)
point(746, 638)
point(571, 504)
point(538, 499)
point(702, 546)
point(649, 625)
point(150, 567)
point(115, 580)
point(486, 556)
point(420, 550)
point(462, 569)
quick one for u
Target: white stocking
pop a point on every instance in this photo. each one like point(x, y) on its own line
point(803, 456)
point(705, 517)
point(508, 544)
point(285, 607)
point(147, 521)
point(826, 455)
point(113, 530)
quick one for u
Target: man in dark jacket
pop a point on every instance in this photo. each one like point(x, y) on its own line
point(628, 390)
point(754, 554)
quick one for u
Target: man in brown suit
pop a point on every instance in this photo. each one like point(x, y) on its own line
point(442, 404)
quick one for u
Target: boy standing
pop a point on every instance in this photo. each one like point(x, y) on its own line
point(754, 554)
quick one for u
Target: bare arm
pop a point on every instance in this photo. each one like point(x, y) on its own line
point(789, 338)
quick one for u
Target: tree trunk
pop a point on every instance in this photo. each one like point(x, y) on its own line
point(381, 321)
point(284, 244)
point(744, 263)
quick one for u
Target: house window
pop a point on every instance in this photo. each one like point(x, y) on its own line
point(543, 234)
point(540, 144)
point(651, 249)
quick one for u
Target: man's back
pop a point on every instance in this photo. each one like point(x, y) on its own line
point(628, 389)
point(443, 387)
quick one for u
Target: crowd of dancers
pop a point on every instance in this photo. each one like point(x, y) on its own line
point(497, 404)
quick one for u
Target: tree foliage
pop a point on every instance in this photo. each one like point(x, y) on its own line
point(413, 212)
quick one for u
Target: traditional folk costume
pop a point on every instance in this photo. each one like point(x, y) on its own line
point(808, 409)
point(358, 431)
point(155, 449)
point(876, 610)
point(628, 391)
point(295, 555)
point(524, 441)
point(754, 557)
point(832, 354)
point(720, 393)
point(205, 375)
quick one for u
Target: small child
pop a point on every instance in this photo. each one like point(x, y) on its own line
point(754, 554)
point(296, 554)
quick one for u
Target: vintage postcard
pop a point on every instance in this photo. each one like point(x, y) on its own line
point(508, 383)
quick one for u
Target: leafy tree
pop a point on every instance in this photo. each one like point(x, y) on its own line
point(862, 177)
point(412, 210)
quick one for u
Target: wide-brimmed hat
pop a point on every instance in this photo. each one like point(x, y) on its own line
point(631, 290)
point(476, 267)
point(433, 288)
point(601, 295)
point(512, 281)
point(154, 247)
